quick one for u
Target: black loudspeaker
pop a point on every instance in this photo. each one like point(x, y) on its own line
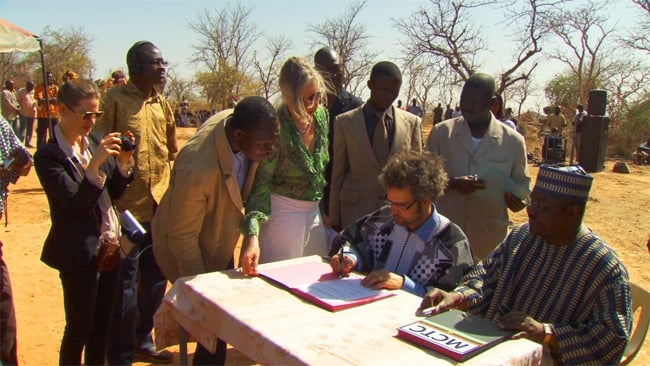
point(597, 105)
point(593, 147)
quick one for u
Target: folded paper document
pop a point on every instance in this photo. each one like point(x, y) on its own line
point(315, 282)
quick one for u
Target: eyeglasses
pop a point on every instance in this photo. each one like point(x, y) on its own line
point(86, 116)
point(401, 206)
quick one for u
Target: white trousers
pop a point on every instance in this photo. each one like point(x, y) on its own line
point(294, 230)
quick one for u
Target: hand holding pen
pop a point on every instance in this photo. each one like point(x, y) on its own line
point(341, 257)
point(341, 263)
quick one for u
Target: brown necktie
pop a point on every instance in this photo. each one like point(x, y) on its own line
point(380, 141)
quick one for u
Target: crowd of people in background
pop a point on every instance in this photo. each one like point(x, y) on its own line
point(322, 172)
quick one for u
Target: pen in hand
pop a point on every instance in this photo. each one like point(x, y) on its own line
point(341, 262)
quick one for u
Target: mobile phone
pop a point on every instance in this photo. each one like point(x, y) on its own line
point(6, 163)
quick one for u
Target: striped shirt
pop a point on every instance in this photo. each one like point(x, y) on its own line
point(582, 289)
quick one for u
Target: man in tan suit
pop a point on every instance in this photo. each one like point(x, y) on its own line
point(487, 167)
point(196, 227)
point(364, 139)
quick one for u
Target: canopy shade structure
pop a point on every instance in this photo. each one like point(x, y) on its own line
point(14, 38)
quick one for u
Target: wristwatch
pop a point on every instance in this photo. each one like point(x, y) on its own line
point(548, 333)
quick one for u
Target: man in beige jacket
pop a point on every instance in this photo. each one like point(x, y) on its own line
point(196, 227)
point(360, 135)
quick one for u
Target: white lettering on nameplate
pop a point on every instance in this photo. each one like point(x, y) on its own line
point(440, 338)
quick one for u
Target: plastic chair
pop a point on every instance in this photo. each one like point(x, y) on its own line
point(640, 300)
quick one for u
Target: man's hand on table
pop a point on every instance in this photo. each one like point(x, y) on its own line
point(437, 301)
point(382, 278)
point(250, 255)
point(528, 327)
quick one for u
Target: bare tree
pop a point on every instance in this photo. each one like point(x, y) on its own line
point(446, 31)
point(226, 38)
point(639, 37)
point(518, 93)
point(583, 34)
point(422, 80)
point(443, 32)
point(177, 88)
point(628, 81)
point(268, 69)
point(349, 39)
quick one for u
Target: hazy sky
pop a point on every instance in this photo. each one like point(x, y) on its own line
point(116, 24)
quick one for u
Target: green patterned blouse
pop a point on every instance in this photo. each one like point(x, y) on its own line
point(291, 171)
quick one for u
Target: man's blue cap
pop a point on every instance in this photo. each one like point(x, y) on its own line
point(566, 182)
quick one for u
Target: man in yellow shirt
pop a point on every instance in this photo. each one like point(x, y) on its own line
point(139, 107)
point(557, 120)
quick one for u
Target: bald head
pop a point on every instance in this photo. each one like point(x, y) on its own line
point(328, 64)
point(477, 99)
point(326, 56)
point(483, 82)
point(386, 69)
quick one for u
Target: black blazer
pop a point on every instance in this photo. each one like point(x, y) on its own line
point(74, 210)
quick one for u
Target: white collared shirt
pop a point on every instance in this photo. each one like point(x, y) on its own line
point(110, 222)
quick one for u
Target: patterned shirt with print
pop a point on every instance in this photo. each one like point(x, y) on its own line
point(151, 121)
point(291, 171)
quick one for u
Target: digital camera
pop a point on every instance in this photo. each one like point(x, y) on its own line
point(127, 143)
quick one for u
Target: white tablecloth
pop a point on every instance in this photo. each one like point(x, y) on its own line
point(272, 326)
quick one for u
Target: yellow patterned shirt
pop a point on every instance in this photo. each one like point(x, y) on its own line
point(151, 121)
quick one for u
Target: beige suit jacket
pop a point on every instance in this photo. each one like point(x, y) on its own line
point(355, 189)
point(483, 217)
point(196, 227)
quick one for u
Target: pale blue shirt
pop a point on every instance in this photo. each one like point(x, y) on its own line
point(240, 164)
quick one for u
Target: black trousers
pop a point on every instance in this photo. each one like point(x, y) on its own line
point(88, 299)
point(140, 293)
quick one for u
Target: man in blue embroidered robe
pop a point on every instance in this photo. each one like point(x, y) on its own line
point(407, 244)
point(552, 279)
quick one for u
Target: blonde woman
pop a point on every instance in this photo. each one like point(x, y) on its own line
point(282, 215)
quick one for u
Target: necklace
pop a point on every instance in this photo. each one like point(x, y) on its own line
point(304, 130)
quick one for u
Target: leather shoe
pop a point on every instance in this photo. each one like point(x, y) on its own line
point(153, 356)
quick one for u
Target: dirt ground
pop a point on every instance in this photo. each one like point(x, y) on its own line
point(618, 211)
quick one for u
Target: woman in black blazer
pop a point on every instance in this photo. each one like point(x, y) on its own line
point(81, 174)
